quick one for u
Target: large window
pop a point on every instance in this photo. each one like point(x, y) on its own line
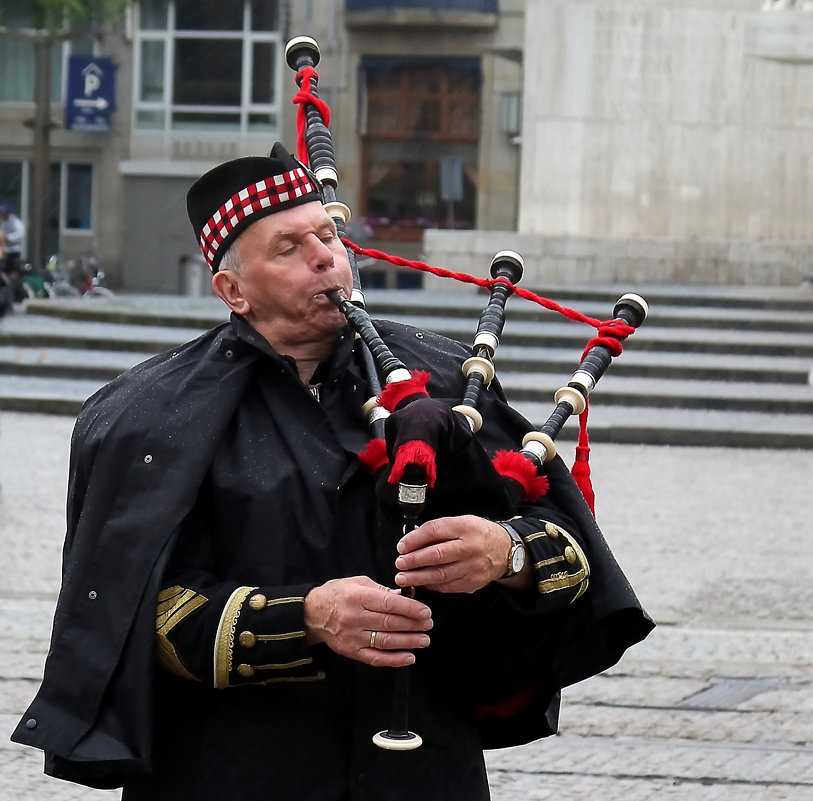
point(71, 202)
point(11, 184)
point(78, 179)
point(208, 66)
point(421, 126)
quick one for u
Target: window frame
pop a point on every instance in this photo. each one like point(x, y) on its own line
point(169, 109)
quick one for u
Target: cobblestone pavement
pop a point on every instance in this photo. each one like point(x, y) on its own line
point(716, 705)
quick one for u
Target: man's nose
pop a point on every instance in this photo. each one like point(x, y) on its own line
point(319, 254)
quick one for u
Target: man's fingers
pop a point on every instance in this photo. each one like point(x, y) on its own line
point(344, 613)
point(420, 537)
point(391, 648)
point(444, 553)
point(379, 658)
point(399, 641)
point(429, 576)
point(390, 602)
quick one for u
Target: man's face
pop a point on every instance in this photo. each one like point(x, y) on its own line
point(290, 259)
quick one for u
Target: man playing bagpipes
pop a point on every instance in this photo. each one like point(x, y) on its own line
point(239, 591)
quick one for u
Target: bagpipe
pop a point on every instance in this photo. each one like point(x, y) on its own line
point(418, 443)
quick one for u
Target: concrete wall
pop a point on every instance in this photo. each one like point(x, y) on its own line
point(667, 140)
point(578, 259)
point(159, 236)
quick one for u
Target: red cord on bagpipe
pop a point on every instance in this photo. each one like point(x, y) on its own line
point(304, 96)
point(610, 333)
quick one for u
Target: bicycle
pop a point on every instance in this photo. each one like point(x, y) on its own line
point(82, 277)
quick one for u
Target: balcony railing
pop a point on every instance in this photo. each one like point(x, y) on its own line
point(471, 6)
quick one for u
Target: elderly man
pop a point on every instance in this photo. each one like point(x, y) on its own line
point(226, 628)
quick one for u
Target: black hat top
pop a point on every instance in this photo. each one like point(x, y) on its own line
point(226, 200)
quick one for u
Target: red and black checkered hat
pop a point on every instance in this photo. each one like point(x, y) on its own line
point(228, 198)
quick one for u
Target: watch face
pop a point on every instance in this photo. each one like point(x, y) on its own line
point(518, 559)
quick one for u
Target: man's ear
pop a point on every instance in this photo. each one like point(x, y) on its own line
point(226, 285)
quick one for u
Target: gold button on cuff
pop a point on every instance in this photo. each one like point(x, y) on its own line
point(570, 554)
point(551, 530)
point(247, 639)
point(257, 601)
point(246, 671)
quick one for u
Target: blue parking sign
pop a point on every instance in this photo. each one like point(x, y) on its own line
point(91, 93)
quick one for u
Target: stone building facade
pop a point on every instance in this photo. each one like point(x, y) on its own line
point(604, 140)
point(662, 140)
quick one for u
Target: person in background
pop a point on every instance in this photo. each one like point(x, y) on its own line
point(13, 231)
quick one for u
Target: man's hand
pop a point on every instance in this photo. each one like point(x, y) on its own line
point(344, 613)
point(455, 554)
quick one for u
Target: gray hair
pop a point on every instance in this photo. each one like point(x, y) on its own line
point(232, 258)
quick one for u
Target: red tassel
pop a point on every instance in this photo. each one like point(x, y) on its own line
point(374, 456)
point(581, 467)
point(394, 393)
point(416, 453)
point(514, 465)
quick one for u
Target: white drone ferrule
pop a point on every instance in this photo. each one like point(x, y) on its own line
point(539, 445)
point(398, 374)
point(487, 341)
point(480, 365)
point(473, 417)
point(336, 209)
point(583, 381)
point(572, 396)
point(373, 412)
point(327, 175)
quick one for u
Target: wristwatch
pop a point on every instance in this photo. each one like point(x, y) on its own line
point(516, 556)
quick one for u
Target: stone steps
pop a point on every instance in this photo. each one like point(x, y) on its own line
point(711, 365)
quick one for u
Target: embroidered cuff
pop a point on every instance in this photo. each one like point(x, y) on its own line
point(561, 566)
point(261, 638)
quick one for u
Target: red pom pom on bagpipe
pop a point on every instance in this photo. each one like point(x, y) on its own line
point(393, 394)
point(374, 456)
point(513, 465)
point(415, 453)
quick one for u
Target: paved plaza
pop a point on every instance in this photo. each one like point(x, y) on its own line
point(717, 704)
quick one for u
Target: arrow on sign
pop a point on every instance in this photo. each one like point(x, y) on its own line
point(99, 103)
